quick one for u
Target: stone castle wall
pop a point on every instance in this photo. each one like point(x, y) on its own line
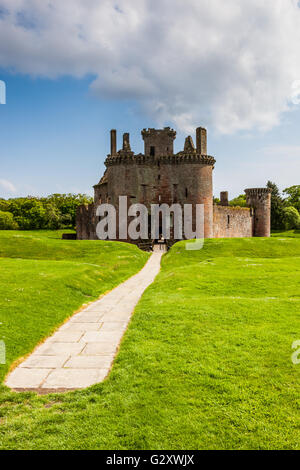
point(86, 222)
point(160, 183)
point(232, 222)
point(161, 177)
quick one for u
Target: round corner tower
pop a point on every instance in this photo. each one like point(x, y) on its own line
point(259, 200)
point(160, 176)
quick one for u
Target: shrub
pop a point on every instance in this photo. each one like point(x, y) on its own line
point(291, 218)
point(7, 221)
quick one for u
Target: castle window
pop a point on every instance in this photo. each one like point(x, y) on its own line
point(186, 192)
point(152, 151)
point(158, 177)
point(175, 192)
point(228, 219)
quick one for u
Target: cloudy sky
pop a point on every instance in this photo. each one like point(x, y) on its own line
point(76, 68)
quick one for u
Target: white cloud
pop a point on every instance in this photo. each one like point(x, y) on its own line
point(228, 64)
point(7, 186)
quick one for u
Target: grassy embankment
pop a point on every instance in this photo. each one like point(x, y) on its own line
point(44, 279)
point(205, 364)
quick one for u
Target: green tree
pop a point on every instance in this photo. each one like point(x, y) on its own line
point(52, 212)
point(291, 218)
point(293, 198)
point(239, 201)
point(277, 206)
point(7, 221)
point(67, 205)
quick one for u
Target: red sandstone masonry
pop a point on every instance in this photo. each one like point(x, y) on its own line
point(159, 176)
point(232, 222)
point(259, 199)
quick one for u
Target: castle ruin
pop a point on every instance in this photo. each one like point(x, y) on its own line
point(158, 176)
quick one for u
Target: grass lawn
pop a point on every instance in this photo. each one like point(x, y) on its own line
point(205, 364)
point(289, 233)
point(44, 279)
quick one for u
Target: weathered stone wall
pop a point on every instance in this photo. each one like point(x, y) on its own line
point(232, 222)
point(161, 182)
point(159, 142)
point(158, 176)
point(86, 222)
point(161, 177)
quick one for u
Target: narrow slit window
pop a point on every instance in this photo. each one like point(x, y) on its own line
point(152, 151)
point(174, 192)
point(186, 192)
point(228, 219)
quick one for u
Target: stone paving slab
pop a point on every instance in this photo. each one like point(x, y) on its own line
point(83, 327)
point(89, 362)
point(102, 349)
point(44, 362)
point(74, 378)
point(82, 351)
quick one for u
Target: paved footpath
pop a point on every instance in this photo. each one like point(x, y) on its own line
point(82, 351)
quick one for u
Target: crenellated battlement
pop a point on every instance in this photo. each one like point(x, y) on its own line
point(256, 192)
point(166, 131)
point(140, 159)
point(159, 148)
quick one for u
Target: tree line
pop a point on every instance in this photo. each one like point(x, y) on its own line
point(57, 211)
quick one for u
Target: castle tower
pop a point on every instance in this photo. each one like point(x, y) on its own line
point(197, 171)
point(159, 142)
point(259, 199)
point(158, 176)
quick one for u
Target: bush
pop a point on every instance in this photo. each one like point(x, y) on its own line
point(7, 221)
point(291, 218)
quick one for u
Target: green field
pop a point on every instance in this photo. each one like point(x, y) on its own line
point(205, 364)
point(44, 279)
point(290, 233)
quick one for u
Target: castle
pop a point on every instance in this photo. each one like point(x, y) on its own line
point(159, 176)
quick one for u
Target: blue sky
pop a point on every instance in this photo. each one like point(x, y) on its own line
point(62, 101)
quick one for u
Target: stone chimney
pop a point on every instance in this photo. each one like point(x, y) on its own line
point(126, 142)
point(201, 141)
point(113, 142)
point(224, 198)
